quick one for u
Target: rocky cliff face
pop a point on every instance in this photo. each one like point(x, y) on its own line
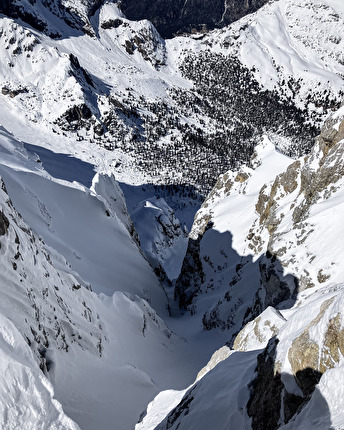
point(290, 208)
point(217, 265)
point(278, 395)
point(288, 217)
point(293, 382)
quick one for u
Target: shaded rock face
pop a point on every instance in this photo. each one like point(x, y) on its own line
point(271, 405)
point(331, 133)
point(276, 287)
point(271, 289)
point(320, 182)
point(237, 9)
point(5, 6)
point(148, 42)
point(310, 352)
point(242, 288)
point(175, 17)
point(4, 224)
point(74, 116)
point(189, 282)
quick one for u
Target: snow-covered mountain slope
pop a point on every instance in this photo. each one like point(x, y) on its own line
point(54, 17)
point(278, 237)
point(79, 225)
point(291, 41)
point(161, 107)
point(91, 97)
point(95, 350)
point(27, 396)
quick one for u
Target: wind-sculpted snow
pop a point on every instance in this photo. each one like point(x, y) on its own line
point(26, 395)
point(63, 166)
point(88, 238)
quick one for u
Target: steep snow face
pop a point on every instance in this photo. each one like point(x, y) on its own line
point(96, 350)
point(86, 232)
point(226, 386)
point(36, 315)
point(107, 189)
point(27, 396)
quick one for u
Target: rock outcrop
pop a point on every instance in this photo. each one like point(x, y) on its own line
point(285, 207)
point(308, 347)
point(282, 384)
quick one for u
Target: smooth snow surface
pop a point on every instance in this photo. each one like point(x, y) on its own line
point(63, 166)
